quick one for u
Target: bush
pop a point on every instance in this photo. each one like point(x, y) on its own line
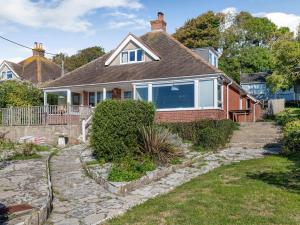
point(114, 131)
point(291, 137)
point(288, 115)
point(210, 134)
point(160, 144)
point(129, 169)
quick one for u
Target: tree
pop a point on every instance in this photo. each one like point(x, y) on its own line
point(82, 57)
point(201, 31)
point(17, 93)
point(286, 60)
point(245, 40)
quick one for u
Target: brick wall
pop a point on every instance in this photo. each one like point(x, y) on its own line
point(189, 115)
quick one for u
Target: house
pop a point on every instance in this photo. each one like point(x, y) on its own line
point(256, 85)
point(157, 68)
point(36, 69)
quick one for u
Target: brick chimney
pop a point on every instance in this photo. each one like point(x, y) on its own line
point(159, 24)
point(38, 50)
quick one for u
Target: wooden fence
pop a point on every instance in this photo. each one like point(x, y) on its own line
point(43, 115)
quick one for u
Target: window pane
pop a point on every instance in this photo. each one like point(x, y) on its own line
point(132, 56)
point(57, 98)
point(99, 97)
point(92, 98)
point(124, 57)
point(75, 98)
point(173, 96)
point(140, 55)
point(142, 93)
point(109, 95)
point(127, 94)
point(220, 95)
point(206, 96)
point(9, 75)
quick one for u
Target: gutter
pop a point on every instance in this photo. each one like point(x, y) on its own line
point(227, 95)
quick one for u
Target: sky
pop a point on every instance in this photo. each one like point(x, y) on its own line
point(70, 25)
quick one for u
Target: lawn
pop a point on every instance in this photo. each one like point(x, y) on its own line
point(261, 191)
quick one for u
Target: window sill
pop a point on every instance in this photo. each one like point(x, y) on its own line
point(188, 109)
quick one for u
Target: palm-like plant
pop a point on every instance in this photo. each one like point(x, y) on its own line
point(160, 144)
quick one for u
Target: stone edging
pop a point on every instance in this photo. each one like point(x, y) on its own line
point(123, 188)
point(40, 216)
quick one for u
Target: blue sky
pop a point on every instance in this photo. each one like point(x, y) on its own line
point(69, 25)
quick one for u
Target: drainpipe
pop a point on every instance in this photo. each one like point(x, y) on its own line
point(254, 112)
point(227, 101)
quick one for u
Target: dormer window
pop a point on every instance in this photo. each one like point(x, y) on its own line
point(132, 56)
point(9, 75)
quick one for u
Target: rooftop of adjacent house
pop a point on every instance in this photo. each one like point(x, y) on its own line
point(37, 68)
point(172, 60)
point(247, 78)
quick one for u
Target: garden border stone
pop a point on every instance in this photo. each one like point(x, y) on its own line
point(123, 188)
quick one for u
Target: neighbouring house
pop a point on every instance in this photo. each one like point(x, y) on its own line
point(36, 69)
point(183, 85)
point(256, 85)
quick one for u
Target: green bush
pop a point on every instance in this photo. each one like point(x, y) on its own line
point(114, 131)
point(129, 169)
point(160, 144)
point(209, 134)
point(288, 115)
point(291, 139)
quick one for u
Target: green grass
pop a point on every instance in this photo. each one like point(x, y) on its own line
point(25, 157)
point(261, 191)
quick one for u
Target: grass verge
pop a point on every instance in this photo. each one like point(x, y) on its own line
point(261, 191)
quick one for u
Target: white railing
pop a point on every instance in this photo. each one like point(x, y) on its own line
point(85, 126)
point(44, 115)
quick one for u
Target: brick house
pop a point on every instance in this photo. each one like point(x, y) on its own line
point(36, 69)
point(184, 84)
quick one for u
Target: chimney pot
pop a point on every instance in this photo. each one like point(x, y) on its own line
point(159, 24)
point(38, 49)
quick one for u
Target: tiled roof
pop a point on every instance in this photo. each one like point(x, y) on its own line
point(175, 61)
point(36, 69)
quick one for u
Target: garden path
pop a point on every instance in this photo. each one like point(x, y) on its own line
point(80, 200)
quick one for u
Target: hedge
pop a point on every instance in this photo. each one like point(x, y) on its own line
point(210, 134)
point(291, 136)
point(115, 126)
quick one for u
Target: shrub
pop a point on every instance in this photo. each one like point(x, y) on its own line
point(288, 115)
point(160, 144)
point(291, 127)
point(129, 169)
point(114, 131)
point(205, 133)
point(292, 136)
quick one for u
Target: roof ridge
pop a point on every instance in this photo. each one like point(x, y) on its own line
point(196, 56)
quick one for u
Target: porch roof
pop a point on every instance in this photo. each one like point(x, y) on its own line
point(175, 61)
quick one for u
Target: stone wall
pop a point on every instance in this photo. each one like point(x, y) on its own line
point(50, 132)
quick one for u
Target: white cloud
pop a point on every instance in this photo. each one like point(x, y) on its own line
point(281, 19)
point(67, 15)
point(122, 20)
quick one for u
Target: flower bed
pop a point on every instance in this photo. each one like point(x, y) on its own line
point(100, 172)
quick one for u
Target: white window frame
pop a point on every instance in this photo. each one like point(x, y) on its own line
point(11, 73)
point(128, 56)
point(196, 93)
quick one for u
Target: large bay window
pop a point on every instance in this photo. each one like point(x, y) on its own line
point(181, 95)
point(178, 95)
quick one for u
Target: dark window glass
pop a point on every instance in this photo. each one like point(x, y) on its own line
point(132, 56)
point(140, 55)
point(75, 99)
point(173, 96)
point(92, 98)
point(142, 93)
point(109, 95)
point(99, 97)
point(9, 75)
point(127, 94)
point(248, 103)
